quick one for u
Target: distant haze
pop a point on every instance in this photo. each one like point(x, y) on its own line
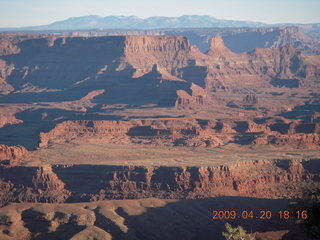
point(131, 22)
point(19, 13)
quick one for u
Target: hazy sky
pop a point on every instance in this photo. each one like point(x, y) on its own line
point(17, 13)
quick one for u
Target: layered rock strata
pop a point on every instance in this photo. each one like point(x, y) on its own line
point(130, 57)
point(12, 155)
point(78, 183)
point(176, 132)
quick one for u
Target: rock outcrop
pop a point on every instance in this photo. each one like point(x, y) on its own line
point(7, 116)
point(168, 52)
point(8, 46)
point(24, 184)
point(12, 155)
point(218, 49)
point(198, 98)
point(250, 99)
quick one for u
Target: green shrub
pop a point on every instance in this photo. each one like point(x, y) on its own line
point(237, 233)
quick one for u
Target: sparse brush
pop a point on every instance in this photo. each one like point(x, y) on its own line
point(237, 233)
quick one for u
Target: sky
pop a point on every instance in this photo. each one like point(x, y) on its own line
point(19, 13)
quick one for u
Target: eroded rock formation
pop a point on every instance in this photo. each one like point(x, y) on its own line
point(77, 183)
point(130, 57)
point(175, 132)
point(8, 46)
point(23, 184)
point(7, 116)
point(198, 98)
point(12, 155)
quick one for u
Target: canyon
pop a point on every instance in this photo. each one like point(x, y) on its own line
point(102, 136)
point(170, 65)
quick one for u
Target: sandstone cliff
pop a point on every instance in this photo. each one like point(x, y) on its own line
point(241, 40)
point(198, 98)
point(168, 52)
point(12, 155)
point(283, 66)
point(125, 58)
point(77, 183)
point(175, 132)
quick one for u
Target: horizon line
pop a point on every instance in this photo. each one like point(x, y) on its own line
point(144, 18)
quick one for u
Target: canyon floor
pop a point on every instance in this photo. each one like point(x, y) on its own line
point(126, 155)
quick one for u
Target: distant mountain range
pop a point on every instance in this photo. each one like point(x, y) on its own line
point(132, 22)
